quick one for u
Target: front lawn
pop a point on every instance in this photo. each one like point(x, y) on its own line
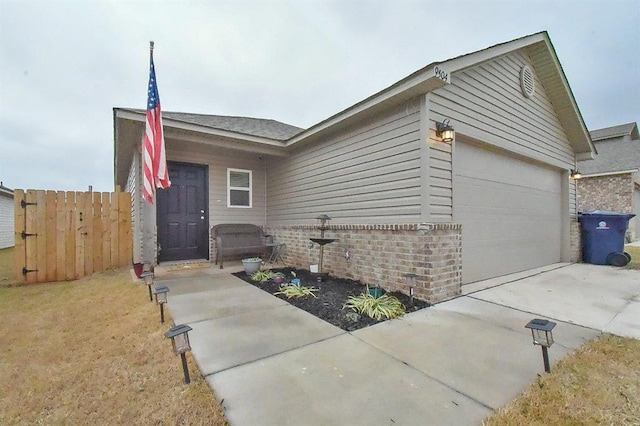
point(93, 351)
point(597, 385)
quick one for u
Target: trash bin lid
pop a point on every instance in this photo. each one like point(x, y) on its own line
point(606, 213)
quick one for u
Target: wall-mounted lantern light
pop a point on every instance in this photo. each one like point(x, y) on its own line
point(161, 299)
point(179, 336)
point(445, 131)
point(575, 174)
point(541, 331)
point(147, 276)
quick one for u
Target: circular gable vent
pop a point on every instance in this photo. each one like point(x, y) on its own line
point(527, 81)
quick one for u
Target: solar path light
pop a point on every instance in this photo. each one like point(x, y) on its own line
point(541, 331)
point(410, 280)
point(147, 276)
point(179, 336)
point(161, 299)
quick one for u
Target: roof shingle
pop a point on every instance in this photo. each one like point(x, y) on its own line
point(614, 154)
point(265, 128)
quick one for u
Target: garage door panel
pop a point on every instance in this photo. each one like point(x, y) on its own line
point(510, 211)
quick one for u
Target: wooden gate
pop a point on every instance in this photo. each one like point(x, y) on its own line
point(68, 235)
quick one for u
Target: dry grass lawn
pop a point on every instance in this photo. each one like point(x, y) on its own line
point(635, 257)
point(93, 351)
point(6, 267)
point(597, 385)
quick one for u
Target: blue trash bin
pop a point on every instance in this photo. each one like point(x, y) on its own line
point(603, 237)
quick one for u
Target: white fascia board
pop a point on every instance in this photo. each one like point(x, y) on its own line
point(227, 143)
point(472, 59)
point(621, 172)
point(181, 125)
point(584, 156)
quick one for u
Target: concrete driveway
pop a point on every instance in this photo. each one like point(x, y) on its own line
point(453, 363)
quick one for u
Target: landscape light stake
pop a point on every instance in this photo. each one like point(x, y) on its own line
point(161, 299)
point(147, 276)
point(179, 336)
point(543, 336)
point(410, 279)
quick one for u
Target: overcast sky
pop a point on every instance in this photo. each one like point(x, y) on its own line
point(65, 64)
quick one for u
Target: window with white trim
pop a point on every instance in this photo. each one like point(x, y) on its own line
point(239, 188)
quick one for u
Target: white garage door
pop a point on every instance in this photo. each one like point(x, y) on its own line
point(510, 211)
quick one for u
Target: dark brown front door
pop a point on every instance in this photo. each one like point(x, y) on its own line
point(182, 215)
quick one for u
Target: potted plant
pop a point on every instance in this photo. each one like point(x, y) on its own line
point(251, 264)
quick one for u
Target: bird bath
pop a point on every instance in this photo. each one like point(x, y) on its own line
point(322, 241)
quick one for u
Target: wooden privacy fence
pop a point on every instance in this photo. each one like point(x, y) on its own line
point(68, 235)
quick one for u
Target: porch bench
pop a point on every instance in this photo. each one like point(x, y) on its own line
point(238, 238)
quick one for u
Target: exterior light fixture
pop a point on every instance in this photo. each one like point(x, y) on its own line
point(543, 336)
point(147, 276)
point(179, 336)
point(575, 174)
point(161, 299)
point(444, 131)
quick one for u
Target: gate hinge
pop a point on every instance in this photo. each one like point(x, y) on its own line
point(24, 235)
point(25, 271)
point(24, 204)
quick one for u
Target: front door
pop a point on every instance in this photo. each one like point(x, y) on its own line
point(183, 220)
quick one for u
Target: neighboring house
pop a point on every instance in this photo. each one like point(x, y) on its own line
point(496, 200)
point(612, 180)
point(7, 217)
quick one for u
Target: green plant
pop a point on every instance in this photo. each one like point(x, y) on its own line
point(262, 276)
point(294, 291)
point(383, 307)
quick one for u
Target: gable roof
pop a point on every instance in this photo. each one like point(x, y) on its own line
point(616, 132)
point(614, 155)
point(5, 192)
point(437, 74)
point(260, 127)
point(253, 133)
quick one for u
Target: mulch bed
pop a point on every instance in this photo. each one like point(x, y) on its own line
point(333, 293)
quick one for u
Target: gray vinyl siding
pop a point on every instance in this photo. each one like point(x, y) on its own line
point(440, 182)
point(7, 222)
point(134, 187)
point(368, 175)
point(485, 103)
point(219, 160)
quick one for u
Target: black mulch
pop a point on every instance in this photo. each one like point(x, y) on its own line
point(333, 293)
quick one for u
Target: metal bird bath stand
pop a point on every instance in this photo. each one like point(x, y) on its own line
point(322, 241)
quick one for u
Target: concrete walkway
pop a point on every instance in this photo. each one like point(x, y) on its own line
point(453, 363)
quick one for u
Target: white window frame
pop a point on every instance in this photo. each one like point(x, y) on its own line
point(230, 188)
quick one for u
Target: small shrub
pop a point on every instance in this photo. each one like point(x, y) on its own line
point(291, 291)
point(383, 307)
point(262, 276)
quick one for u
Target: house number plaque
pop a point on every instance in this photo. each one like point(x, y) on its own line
point(441, 74)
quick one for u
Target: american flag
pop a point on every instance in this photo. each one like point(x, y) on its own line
point(156, 174)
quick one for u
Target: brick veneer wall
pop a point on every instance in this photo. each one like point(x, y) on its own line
point(382, 255)
point(576, 241)
point(614, 192)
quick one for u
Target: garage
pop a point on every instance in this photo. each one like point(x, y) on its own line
point(510, 211)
